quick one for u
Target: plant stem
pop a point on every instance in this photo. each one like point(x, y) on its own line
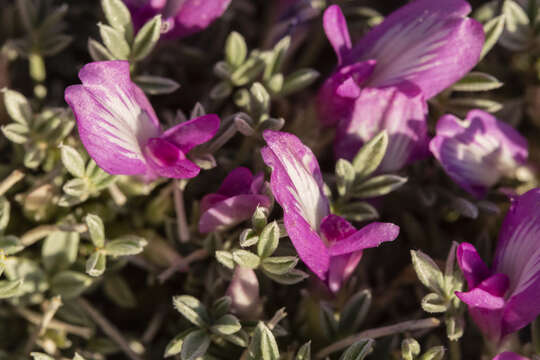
point(182, 264)
point(183, 229)
point(379, 332)
point(32, 236)
point(37, 319)
point(12, 179)
point(108, 328)
point(455, 350)
point(52, 308)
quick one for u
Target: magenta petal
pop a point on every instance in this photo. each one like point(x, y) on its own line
point(392, 109)
point(296, 183)
point(335, 100)
point(167, 160)
point(431, 44)
point(210, 200)
point(335, 27)
point(518, 256)
point(192, 16)
point(335, 228)
point(194, 132)
point(496, 285)
point(244, 292)
point(471, 264)
point(510, 356)
point(341, 268)
point(371, 235)
point(237, 182)
point(113, 117)
point(486, 310)
point(230, 212)
point(142, 11)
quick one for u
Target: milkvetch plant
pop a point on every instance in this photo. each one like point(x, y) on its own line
point(199, 180)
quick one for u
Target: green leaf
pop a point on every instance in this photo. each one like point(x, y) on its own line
point(328, 321)
point(77, 188)
point(34, 156)
point(379, 185)
point(463, 105)
point(455, 327)
point(263, 344)
point(354, 312)
point(261, 98)
point(156, 85)
point(248, 71)
point(10, 289)
point(10, 245)
point(477, 81)
point(55, 44)
point(16, 133)
point(226, 325)
point(275, 59)
point(73, 161)
point(427, 271)
point(28, 13)
point(434, 303)
point(115, 41)
point(235, 49)
point(146, 38)
point(299, 80)
point(174, 346)
point(410, 348)
point(268, 240)
point(259, 219)
point(358, 351)
point(248, 238)
point(192, 309)
point(370, 156)
point(221, 306)
point(465, 207)
point(5, 210)
point(305, 352)
point(118, 290)
point(246, 259)
point(279, 265)
point(96, 264)
point(195, 345)
point(78, 357)
point(95, 229)
point(59, 250)
point(225, 258)
point(40, 356)
point(345, 175)
point(292, 277)
point(241, 338)
point(70, 284)
point(17, 107)
point(435, 353)
point(493, 30)
point(118, 16)
point(221, 91)
point(125, 246)
point(98, 52)
point(359, 211)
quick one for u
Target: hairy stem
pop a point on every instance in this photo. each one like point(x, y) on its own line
point(182, 264)
point(108, 328)
point(183, 228)
point(12, 179)
point(379, 332)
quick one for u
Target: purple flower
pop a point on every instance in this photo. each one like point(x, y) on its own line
point(504, 299)
point(235, 201)
point(477, 152)
point(383, 81)
point(328, 244)
point(183, 17)
point(121, 132)
point(510, 356)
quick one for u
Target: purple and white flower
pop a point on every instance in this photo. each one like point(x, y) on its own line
point(329, 245)
point(121, 132)
point(504, 298)
point(477, 152)
point(182, 17)
point(384, 80)
point(235, 201)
